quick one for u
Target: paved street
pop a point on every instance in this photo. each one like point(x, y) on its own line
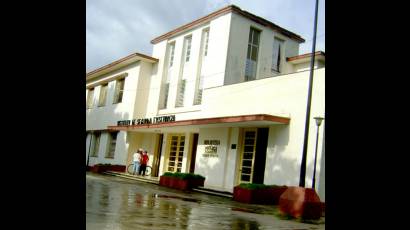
point(116, 203)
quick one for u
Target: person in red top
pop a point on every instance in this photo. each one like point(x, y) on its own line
point(144, 162)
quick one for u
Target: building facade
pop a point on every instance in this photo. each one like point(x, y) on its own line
point(223, 96)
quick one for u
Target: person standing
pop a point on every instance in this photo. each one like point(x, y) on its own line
point(144, 162)
point(137, 160)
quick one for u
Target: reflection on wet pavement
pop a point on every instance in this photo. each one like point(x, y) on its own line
point(114, 203)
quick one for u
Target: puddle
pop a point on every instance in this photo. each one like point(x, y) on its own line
point(177, 197)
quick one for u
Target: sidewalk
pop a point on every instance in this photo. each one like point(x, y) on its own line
point(155, 180)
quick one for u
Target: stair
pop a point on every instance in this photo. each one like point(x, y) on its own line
point(213, 192)
point(152, 180)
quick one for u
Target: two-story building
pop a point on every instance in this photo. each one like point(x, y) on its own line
point(223, 96)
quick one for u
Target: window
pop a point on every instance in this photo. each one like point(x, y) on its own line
point(171, 54)
point(96, 146)
point(181, 92)
point(206, 36)
point(188, 48)
point(252, 55)
point(112, 143)
point(90, 98)
point(277, 54)
point(103, 95)
point(119, 90)
point(198, 96)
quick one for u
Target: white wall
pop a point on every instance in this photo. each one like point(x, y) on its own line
point(238, 46)
point(213, 168)
point(213, 66)
point(99, 118)
point(143, 90)
point(232, 160)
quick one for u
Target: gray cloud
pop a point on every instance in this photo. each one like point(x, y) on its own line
point(115, 29)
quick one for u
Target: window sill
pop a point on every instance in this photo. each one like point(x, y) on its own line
point(109, 157)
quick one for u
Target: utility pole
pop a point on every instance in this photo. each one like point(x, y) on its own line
point(309, 100)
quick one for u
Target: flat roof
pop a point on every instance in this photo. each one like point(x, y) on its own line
point(120, 63)
point(225, 10)
point(207, 121)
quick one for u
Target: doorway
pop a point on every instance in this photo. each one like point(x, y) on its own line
point(253, 155)
point(193, 155)
point(176, 144)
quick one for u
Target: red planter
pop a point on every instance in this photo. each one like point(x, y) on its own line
point(117, 168)
point(178, 183)
point(98, 168)
point(258, 196)
point(104, 168)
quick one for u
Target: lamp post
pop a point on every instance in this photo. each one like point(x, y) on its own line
point(318, 123)
point(309, 99)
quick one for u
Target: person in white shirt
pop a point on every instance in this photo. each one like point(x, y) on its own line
point(137, 159)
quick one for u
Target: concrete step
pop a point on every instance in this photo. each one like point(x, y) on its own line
point(152, 180)
point(213, 192)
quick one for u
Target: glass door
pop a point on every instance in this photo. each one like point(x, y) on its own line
point(176, 152)
point(248, 156)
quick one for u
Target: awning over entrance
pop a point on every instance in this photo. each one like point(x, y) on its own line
point(243, 121)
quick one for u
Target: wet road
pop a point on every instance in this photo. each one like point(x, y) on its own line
point(116, 203)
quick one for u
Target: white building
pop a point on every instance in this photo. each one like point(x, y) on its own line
point(231, 89)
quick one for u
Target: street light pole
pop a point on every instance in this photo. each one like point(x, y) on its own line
point(305, 141)
point(318, 123)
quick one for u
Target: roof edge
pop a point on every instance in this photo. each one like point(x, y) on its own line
point(119, 61)
point(225, 10)
point(317, 53)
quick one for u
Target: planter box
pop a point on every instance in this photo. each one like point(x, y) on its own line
point(117, 168)
point(104, 168)
point(99, 168)
point(258, 196)
point(181, 184)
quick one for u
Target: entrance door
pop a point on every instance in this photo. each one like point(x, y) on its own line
point(248, 155)
point(193, 155)
point(176, 152)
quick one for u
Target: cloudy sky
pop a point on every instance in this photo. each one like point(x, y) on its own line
point(118, 28)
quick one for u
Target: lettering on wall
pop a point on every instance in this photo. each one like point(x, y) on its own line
point(211, 148)
point(143, 121)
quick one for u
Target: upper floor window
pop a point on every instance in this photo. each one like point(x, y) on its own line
point(171, 54)
point(119, 90)
point(103, 95)
point(252, 54)
point(90, 98)
point(206, 38)
point(277, 54)
point(180, 93)
point(188, 41)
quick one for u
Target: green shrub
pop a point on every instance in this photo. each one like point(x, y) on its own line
point(257, 186)
point(183, 176)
